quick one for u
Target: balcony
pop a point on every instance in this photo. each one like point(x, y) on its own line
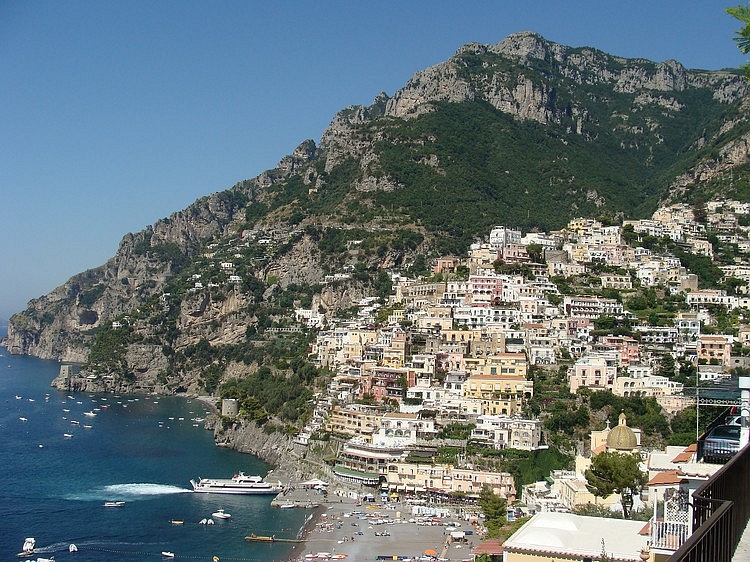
point(721, 511)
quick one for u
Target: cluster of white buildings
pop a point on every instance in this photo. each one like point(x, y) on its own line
point(458, 349)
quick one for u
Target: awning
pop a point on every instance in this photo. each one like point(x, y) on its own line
point(314, 482)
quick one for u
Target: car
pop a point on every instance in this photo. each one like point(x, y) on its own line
point(734, 420)
point(721, 443)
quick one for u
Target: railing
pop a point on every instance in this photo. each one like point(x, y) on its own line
point(668, 535)
point(721, 511)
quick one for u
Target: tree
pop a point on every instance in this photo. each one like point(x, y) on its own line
point(535, 252)
point(612, 472)
point(742, 37)
point(494, 509)
point(666, 366)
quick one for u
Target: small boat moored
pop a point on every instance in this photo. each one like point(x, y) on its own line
point(221, 514)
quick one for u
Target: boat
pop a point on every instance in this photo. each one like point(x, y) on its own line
point(89, 414)
point(114, 504)
point(176, 521)
point(260, 538)
point(287, 505)
point(68, 435)
point(240, 483)
point(23, 419)
point(206, 522)
point(28, 547)
point(221, 514)
point(50, 559)
point(72, 548)
point(167, 554)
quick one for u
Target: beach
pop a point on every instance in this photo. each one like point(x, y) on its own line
point(344, 527)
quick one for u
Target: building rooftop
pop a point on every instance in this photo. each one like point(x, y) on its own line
point(565, 534)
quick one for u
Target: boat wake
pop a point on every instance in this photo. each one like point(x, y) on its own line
point(131, 492)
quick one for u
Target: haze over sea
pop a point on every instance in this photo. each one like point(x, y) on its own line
point(142, 450)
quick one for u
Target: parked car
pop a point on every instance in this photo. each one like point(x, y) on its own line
point(734, 420)
point(721, 443)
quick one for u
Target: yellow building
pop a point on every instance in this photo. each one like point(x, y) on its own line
point(359, 422)
point(446, 479)
point(499, 394)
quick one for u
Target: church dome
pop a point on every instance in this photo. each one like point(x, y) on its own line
point(622, 438)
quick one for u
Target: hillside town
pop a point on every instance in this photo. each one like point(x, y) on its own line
point(458, 349)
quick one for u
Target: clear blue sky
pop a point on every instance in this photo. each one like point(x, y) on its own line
point(114, 115)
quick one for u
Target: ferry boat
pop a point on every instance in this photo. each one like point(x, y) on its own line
point(240, 483)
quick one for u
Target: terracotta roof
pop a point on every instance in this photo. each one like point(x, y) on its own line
point(490, 546)
point(687, 454)
point(600, 449)
point(666, 477)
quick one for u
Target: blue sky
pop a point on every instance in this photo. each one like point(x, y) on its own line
point(114, 115)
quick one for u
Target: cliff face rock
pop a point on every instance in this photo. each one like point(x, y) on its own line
point(275, 448)
point(58, 325)
point(532, 79)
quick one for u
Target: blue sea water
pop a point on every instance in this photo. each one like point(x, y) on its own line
point(142, 450)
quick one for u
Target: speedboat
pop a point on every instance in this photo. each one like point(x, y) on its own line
point(72, 548)
point(221, 514)
point(28, 547)
point(114, 504)
point(167, 554)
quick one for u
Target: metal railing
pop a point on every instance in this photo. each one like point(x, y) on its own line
point(668, 535)
point(721, 511)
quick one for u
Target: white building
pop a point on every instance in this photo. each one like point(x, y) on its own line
point(504, 432)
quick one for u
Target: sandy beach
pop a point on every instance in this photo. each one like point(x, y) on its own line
point(344, 528)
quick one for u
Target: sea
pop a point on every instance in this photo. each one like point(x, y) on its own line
point(56, 475)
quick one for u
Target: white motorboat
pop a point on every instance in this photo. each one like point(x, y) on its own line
point(240, 483)
point(72, 548)
point(221, 514)
point(114, 504)
point(167, 554)
point(28, 547)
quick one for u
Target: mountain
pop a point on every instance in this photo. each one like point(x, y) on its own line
point(526, 133)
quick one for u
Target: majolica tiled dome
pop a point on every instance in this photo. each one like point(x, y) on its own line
point(622, 438)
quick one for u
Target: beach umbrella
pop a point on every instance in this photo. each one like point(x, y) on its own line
point(430, 552)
